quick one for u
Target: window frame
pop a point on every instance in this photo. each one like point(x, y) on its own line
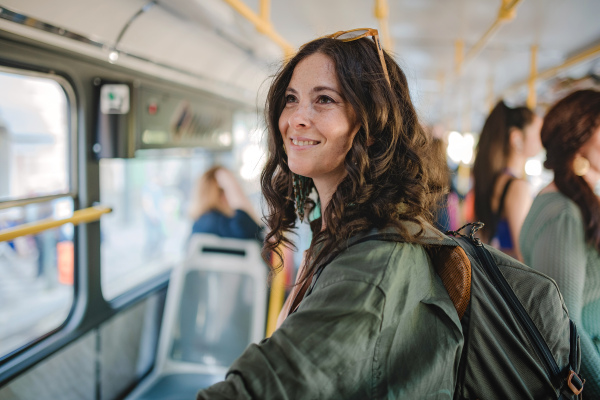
point(72, 138)
point(72, 192)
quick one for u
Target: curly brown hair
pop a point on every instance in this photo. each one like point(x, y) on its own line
point(391, 174)
point(568, 125)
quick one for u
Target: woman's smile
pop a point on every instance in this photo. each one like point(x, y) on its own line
point(300, 143)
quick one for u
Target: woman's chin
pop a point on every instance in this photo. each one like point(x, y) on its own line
point(300, 170)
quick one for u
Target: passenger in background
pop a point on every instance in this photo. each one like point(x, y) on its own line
point(377, 322)
point(502, 196)
point(561, 234)
point(447, 212)
point(220, 206)
point(442, 211)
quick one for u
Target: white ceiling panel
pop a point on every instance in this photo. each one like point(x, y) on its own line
point(210, 39)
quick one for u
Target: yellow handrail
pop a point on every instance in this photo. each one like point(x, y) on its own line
point(585, 55)
point(381, 13)
point(531, 95)
point(263, 26)
point(506, 13)
point(90, 214)
point(276, 300)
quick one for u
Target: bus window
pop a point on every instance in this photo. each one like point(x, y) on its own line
point(36, 275)
point(34, 137)
point(147, 232)
point(36, 271)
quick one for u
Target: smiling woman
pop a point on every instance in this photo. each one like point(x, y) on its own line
point(317, 125)
point(368, 318)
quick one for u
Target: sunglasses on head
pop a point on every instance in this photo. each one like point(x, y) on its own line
point(354, 34)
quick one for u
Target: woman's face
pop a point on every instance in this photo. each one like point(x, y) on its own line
point(533, 142)
point(317, 124)
point(591, 151)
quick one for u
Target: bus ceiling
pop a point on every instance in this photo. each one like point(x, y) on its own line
point(460, 56)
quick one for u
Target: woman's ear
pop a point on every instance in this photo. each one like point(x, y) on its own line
point(516, 139)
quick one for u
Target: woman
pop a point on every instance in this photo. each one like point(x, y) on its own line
point(561, 234)
point(378, 323)
point(502, 196)
point(219, 206)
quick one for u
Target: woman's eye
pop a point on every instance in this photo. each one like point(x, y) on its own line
point(325, 100)
point(290, 98)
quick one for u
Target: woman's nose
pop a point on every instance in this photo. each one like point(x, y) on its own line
point(300, 117)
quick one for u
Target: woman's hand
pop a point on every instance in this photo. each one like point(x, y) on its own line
point(234, 193)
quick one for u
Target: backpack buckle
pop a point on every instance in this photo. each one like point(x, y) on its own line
point(575, 383)
point(475, 226)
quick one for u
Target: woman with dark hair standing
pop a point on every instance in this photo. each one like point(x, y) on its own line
point(378, 322)
point(502, 197)
point(561, 234)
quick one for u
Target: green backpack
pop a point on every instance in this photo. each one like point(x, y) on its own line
point(519, 342)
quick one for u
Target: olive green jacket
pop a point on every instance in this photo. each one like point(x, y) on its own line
point(378, 324)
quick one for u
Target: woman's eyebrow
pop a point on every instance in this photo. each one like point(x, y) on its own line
point(322, 88)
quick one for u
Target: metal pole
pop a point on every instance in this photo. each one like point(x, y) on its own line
point(86, 215)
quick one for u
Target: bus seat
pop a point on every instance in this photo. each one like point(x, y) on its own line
point(215, 307)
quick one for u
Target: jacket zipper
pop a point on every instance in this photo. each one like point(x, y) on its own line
point(539, 344)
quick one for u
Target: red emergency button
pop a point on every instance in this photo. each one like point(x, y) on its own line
point(152, 108)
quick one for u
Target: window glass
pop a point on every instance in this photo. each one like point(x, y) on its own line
point(36, 275)
point(147, 231)
point(34, 137)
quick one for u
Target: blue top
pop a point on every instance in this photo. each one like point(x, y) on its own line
point(240, 226)
point(503, 235)
point(502, 230)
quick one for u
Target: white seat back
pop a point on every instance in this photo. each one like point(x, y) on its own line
point(215, 307)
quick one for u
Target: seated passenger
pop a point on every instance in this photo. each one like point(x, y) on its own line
point(220, 206)
point(502, 196)
point(218, 330)
point(561, 234)
point(378, 323)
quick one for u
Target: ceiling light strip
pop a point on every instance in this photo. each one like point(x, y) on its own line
point(22, 19)
point(34, 23)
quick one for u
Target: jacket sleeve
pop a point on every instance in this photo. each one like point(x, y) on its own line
point(322, 351)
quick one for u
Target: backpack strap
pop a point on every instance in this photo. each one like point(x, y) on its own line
point(498, 214)
point(572, 384)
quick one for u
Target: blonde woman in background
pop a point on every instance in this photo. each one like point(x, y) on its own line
point(219, 206)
